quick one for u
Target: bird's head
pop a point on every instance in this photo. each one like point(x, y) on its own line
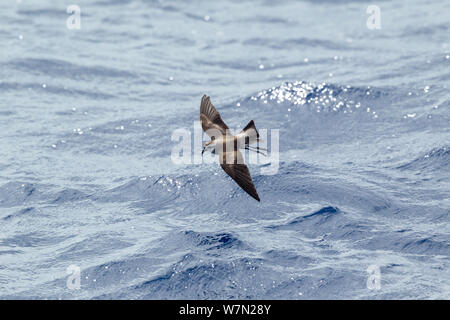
point(207, 145)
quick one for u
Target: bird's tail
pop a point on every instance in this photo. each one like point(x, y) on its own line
point(251, 135)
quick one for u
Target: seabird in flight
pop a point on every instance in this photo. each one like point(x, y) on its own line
point(227, 145)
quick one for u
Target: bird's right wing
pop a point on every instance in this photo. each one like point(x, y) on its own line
point(239, 172)
point(210, 117)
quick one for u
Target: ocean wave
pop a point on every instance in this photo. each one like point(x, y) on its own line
point(436, 159)
point(65, 69)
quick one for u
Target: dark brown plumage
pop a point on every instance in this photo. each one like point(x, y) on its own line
point(231, 161)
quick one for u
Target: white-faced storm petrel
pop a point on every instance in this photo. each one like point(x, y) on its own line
point(226, 145)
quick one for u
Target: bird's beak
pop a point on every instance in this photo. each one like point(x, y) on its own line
point(203, 151)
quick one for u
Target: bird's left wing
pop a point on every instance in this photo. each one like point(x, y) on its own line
point(239, 172)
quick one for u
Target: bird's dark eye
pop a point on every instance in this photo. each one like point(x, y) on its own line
point(212, 138)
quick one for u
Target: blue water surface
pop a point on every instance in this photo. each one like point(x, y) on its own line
point(86, 176)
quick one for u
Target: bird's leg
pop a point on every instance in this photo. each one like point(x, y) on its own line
point(257, 150)
point(257, 146)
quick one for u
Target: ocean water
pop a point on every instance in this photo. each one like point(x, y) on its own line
point(87, 180)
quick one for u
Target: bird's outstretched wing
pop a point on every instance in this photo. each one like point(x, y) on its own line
point(239, 172)
point(210, 117)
